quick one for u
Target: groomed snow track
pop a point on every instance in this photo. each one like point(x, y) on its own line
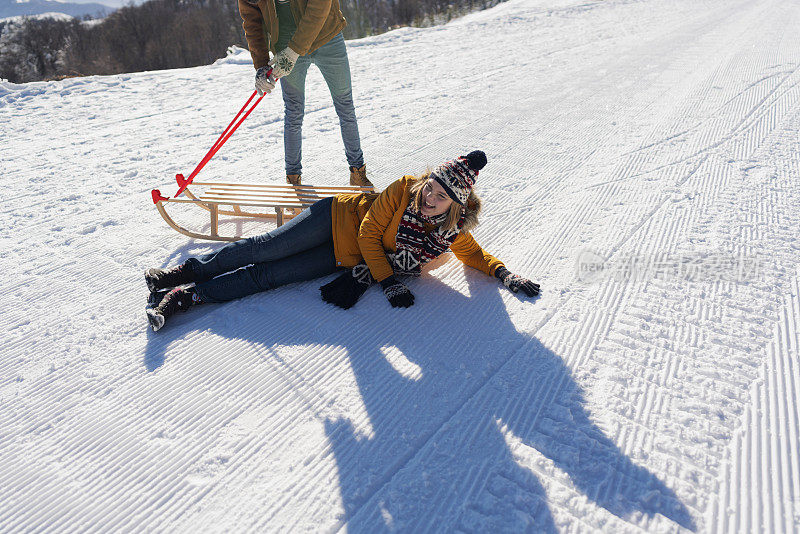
point(658, 395)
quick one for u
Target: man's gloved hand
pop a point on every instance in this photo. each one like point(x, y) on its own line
point(515, 282)
point(264, 82)
point(283, 63)
point(398, 294)
point(345, 290)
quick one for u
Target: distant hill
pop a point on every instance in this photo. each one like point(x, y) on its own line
point(14, 8)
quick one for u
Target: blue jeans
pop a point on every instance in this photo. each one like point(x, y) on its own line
point(331, 59)
point(300, 250)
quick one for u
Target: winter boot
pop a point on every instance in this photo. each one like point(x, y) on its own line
point(358, 176)
point(293, 179)
point(158, 279)
point(179, 299)
point(155, 298)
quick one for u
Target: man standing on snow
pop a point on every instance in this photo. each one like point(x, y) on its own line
point(298, 33)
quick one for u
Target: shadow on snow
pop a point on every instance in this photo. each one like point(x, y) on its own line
point(440, 451)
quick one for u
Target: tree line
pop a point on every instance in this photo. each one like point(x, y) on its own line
point(167, 34)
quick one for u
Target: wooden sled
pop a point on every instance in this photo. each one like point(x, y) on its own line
point(278, 202)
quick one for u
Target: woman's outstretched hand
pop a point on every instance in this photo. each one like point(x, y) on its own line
point(398, 294)
point(345, 290)
point(515, 282)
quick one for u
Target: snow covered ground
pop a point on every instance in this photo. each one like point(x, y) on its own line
point(643, 167)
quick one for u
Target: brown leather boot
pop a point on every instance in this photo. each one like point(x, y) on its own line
point(358, 176)
point(293, 179)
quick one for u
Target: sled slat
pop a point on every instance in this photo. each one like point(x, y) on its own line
point(284, 187)
point(214, 195)
point(269, 194)
point(247, 202)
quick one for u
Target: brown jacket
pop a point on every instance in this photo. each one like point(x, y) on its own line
point(318, 21)
point(365, 226)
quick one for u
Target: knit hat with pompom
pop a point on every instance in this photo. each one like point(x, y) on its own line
point(458, 176)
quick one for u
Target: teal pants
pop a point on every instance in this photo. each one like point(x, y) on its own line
point(331, 60)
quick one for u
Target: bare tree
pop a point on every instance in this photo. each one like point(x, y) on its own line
point(165, 34)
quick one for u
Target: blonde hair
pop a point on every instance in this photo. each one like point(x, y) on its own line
point(454, 212)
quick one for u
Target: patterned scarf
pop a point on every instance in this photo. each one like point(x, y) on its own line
point(414, 248)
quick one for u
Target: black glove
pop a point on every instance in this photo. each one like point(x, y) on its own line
point(398, 294)
point(345, 290)
point(515, 282)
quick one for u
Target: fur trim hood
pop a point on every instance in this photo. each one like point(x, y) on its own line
point(474, 207)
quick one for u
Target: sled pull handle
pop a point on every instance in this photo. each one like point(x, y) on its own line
point(184, 182)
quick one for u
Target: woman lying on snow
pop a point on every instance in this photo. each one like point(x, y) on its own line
point(377, 237)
